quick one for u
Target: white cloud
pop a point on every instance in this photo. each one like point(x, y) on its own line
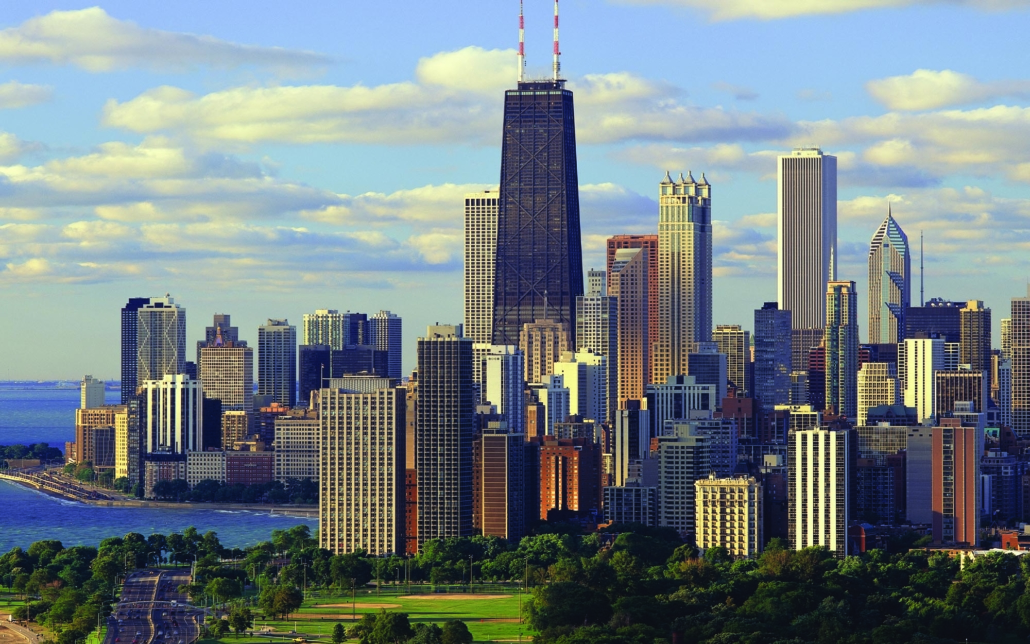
point(776, 9)
point(14, 94)
point(11, 147)
point(93, 40)
point(926, 89)
point(445, 103)
point(428, 205)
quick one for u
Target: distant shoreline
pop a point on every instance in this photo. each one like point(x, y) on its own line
point(277, 510)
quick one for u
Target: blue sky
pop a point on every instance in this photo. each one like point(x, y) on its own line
point(266, 159)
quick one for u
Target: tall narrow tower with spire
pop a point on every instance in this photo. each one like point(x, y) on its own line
point(684, 272)
point(538, 270)
point(890, 282)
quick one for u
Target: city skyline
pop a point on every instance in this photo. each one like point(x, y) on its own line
point(321, 230)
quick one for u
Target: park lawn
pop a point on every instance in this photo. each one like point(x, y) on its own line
point(478, 614)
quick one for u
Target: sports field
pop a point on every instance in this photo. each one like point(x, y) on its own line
point(490, 617)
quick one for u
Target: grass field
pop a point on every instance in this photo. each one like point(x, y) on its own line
point(490, 618)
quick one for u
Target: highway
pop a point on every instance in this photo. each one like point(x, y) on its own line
point(151, 610)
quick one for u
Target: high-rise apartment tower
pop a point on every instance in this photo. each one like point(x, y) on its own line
point(480, 257)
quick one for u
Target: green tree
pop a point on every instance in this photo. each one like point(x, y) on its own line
point(567, 604)
point(456, 632)
point(240, 618)
point(223, 589)
point(426, 634)
point(339, 634)
point(280, 600)
point(217, 627)
point(391, 628)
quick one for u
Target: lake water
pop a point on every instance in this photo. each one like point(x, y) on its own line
point(47, 415)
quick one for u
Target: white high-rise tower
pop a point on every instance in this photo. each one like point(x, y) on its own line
point(806, 242)
point(480, 256)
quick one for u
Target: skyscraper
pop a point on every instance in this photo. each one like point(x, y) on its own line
point(502, 481)
point(539, 264)
point(130, 346)
point(773, 359)
point(221, 326)
point(684, 273)
point(362, 471)
point(650, 243)
point(841, 343)
point(324, 326)
point(936, 318)
point(161, 339)
point(91, 392)
point(542, 342)
point(445, 421)
point(956, 482)
point(819, 490)
point(387, 335)
point(682, 459)
point(630, 288)
point(729, 514)
point(480, 255)
point(597, 282)
point(597, 330)
point(890, 277)
point(1019, 348)
point(226, 372)
point(806, 241)
point(877, 385)
point(277, 362)
point(171, 415)
point(918, 362)
point(314, 364)
point(585, 373)
point(975, 338)
point(503, 385)
point(735, 343)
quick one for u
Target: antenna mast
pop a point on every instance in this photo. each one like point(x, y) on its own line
point(922, 302)
point(557, 51)
point(522, 43)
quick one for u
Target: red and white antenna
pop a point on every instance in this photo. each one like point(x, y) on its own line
point(557, 51)
point(522, 43)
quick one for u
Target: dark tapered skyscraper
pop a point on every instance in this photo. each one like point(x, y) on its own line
point(539, 262)
point(130, 334)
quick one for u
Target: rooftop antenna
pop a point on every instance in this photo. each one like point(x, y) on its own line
point(557, 51)
point(522, 43)
point(922, 302)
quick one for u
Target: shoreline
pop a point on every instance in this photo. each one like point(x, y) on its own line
point(277, 510)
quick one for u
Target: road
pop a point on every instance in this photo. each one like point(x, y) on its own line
point(151, 610)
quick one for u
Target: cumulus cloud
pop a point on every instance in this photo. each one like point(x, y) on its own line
point(776, 9)
point(445, 103)
point(926, 89)
point(984, 141)
point(14, 94)
point(12, 148)
point(431, 204)
point(93, 40)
